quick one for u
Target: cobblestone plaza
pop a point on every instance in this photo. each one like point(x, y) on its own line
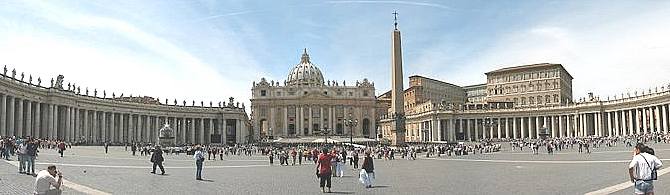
point(510, 172)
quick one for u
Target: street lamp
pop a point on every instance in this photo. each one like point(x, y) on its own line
point(351, 123)
point(325, 131)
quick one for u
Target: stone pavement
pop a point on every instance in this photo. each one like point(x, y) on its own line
point(508, 172)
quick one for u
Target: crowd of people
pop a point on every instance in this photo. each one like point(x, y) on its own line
point(330, 159)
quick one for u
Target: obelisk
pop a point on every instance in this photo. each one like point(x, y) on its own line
point(397, 92)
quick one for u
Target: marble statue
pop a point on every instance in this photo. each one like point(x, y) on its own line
point(210, 103)
point(202, 104)
point(30, 79)
point(52, 82)
point(95, 92)
point(78, 90)
point(193, 103)
point(59, 82)
point(68, 86)
point(114, 95)
point(104, 94)
point(14, 73)
point(86, 91)
point(39, 81)
point(5, 71)
point(184, 102)
point(22, 75)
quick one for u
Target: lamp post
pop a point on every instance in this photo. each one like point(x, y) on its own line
point(351, 123)
point(325, 131)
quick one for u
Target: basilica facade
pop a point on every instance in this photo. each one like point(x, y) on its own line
point(307, 105)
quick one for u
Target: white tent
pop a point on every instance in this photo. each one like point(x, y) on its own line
point(321, 140)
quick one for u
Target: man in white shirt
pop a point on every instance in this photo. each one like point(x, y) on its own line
point(640, 169)
point(46, 178)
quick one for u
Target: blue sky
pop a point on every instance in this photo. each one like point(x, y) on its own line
point(211, 50)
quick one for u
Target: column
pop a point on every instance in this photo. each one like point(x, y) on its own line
point(507, 127)
point(57, 129)
point(3, 115)
point(122, 128)
point(644, 120)
point(630, 122)
point(103, 127)
point(112, 127)
point(514, 127)
point(85, 128)
point(147, 129)
point(652, 119)
point(157, 126)
point(657, 119)
point(609, 123)
point(616, 123)
point(309, 126)
point(537, 127)
point(10, 117)
point(321, 119)
point(19, 119)
point(201, 130)
point(302, 121)
point(183, 129)
point(499, 129)
point(66, 132)
point(664, 118)
point(208, 137)
point(38, 122)
point(29, 121)
point(285, 130)
point(561, 131)
point(475, 123)
point(193, 140)
point(597, 124)
point(468, 130)
point(525, 124)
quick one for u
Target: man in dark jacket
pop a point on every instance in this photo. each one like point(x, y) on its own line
point(157, 159)
point(369, 168)
point(31, 152)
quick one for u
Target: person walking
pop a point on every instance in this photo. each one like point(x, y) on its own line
point(199, 159)
point(368, 171)
point(47, 178)
point(61, 148)
point(157, 160)
point(133, 148)
point(106, 147)
point(642, 169)
point(355, 159)
point(323, 170)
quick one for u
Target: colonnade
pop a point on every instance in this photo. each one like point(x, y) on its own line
point(617, 122)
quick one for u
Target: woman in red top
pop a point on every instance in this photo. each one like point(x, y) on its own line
point(323, 170)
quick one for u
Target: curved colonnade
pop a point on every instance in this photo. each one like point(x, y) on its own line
point(626, 116)
point(27, 109)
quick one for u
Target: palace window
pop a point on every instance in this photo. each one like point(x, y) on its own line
point(531, 100)
point(547, 99)
point(365, 93)
point(263, 92)
point(539, 99)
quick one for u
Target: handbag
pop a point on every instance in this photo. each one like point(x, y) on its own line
point(654, 175)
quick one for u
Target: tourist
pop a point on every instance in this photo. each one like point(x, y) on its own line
point(61, 148)
point(23, 149)
point(323, 168)
point(46, 178)
point(31, 152)
point(271, 155)
point(642, 169)
point(133, 148)
point(106, 147)
point(199, 158)
point(367, 174)
point(340, 164)
point(355, 159)
point(157, 160)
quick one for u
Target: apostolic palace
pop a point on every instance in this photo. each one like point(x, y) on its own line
point(524, 101)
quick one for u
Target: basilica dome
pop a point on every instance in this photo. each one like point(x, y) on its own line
point(305, 73)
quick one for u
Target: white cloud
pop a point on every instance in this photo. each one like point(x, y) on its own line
point(605, 58)
point(166, 72)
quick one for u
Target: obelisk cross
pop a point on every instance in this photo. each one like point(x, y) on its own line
point(395, 19)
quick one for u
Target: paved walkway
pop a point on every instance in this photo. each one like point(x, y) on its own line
point(508, 172)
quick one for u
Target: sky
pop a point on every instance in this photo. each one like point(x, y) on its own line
point(211, 50)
